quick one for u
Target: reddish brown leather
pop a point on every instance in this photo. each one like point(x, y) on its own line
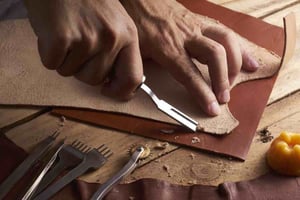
point(269, 186)
point(248, 100)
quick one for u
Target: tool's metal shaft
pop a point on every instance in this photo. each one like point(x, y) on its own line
point(170, 110)
point(37, 181)
point(107, 186)
point(42, 147)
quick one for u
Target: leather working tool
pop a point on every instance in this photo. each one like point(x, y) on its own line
point(30, 192)
point(140, 152)
point(15, 176)
point(169, 109)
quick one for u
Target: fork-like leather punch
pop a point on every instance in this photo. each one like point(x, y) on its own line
point(92, 159)
point(14, 177)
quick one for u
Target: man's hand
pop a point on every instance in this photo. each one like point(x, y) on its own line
point(93, 40)
point(171, 35)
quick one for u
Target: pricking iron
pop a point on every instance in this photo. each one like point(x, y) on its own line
point(127, 169)
point(169, 109)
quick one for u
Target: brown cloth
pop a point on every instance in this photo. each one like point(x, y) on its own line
point(266, 187)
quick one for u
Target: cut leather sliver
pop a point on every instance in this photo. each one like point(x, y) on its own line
point(290, 39)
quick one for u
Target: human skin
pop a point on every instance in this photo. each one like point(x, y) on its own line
point(94, 40)
point(99, 42)
point(171, 35)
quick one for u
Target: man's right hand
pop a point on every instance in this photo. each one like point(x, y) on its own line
point(94, 40)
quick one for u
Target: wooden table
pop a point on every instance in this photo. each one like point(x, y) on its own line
point(28, 125)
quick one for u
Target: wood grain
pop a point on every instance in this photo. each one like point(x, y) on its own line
point(12, 114)
point(288, 80)
point(256, 8)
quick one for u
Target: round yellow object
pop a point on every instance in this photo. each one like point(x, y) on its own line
point(283, 155)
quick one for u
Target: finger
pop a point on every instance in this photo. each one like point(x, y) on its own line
point(250, 64)
point(184, 71)
point(230, 42)
point(128, 73)
point(95, 71)
point(80, 53)
point(52, 50)
point(213, 54)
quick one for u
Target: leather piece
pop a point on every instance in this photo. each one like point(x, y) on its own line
point(216, 144)
point(243, 106)
point(269, 186)
point(18, 39)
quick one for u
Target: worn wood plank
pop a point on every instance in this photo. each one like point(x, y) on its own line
point(185, 166)
point(12, 114)
point(221, 2)
point(288, 80)
point(29, 134)
point(256, 8)
point(280, 110)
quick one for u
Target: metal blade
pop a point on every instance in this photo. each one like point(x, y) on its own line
point(171, 110)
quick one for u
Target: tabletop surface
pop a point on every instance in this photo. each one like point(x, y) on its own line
point(26, 126)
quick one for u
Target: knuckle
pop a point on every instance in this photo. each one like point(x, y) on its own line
point(216, 50)
point(62, 39)
point(229, 36)
point(187, 78)
point(223, 82)
point(91, 42)
point(119, 35)
point(132, 30)
point(111, 35)
point(132, 81)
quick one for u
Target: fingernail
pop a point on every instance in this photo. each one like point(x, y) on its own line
point(224, 96)
point(253, 63)
point(214, 108)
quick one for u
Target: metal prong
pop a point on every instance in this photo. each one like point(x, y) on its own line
point(80, 146)
point(105, 152)
point(84, 148)
point(89, 149)
point(170, 110)
point(109, 154)
point(102, 150)
point(75, 143)
point(100, 147)
point(55, 134)
point(129, 167)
